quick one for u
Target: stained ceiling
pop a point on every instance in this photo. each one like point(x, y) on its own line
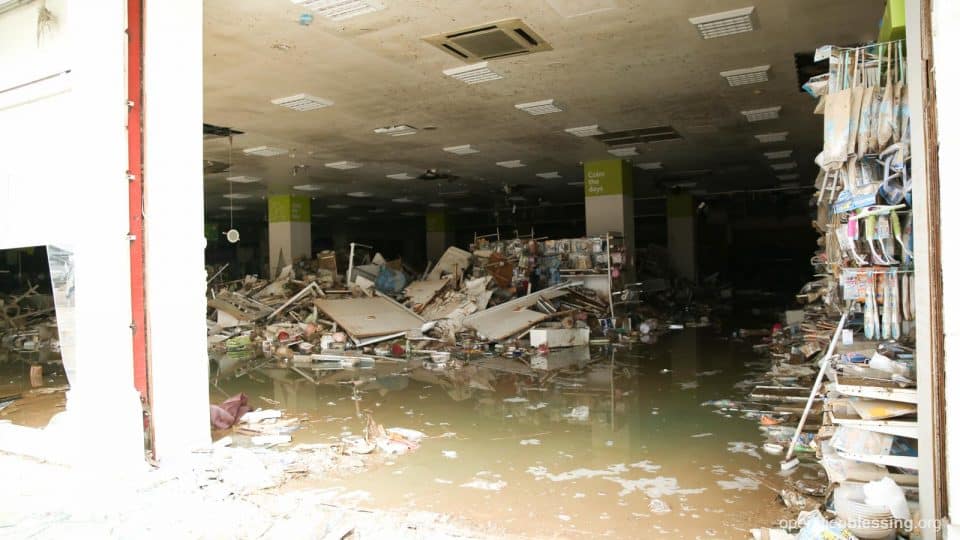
point(622, 65)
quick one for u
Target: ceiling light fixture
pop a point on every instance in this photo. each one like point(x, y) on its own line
point(302, 102)
point(788, 176)
point(237, 195)
point(578, 183)
point(779, 154)
point(745, 76)
point(650, 166)
point(243, 179)
point(585, 131)
point(343, 165)
point(625, 151)
point(437, 205)
point(234, 207)
point(758, 115)
point(338, 10)
point(473, 74)
point(512, 164)
point(308, 187)
point(410, 214)
point(402, 200)
point(376, 210)
point(265, 151)
point(549, 175)
point(337, 206)
point(783, 166)
point(400, 176)
point(536, 108)
point(360, 194)
point(779, 136)
point(468, 209)
point(398, 130)
point(461, 150)
point(726, 23)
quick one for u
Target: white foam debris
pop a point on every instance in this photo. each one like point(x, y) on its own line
point(449, 454)
point(739, 483)
point(530, 442)
point(517, 399)
point(579, 495)
point(646, 466)
point(701, 435)
point(689, 385)
point(659, 507)
point(486, 485)
point(739, 447)
point(660, 486)
point(576, 474)
point(537, 406)
point(563, 517)
point(442, 481)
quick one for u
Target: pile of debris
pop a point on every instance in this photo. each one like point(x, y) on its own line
point(28, 323)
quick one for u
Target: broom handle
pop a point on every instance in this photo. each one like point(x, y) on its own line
point(816, 386)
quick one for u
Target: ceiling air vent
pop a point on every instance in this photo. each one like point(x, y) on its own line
point(758, 115)
point(396, 131)
point(338, 10)
point(585, 131)
point(461, 150)
point(643, 135)
point(243, 179)
point(546, 106)
point(400, 176)
point(498, 39)
point(745, 76)
point(473, 74)
point(786, 177)
point(727, 23)
point(265, 151)
point(784, 166)
point(625, 151)
point(650, 166)
point(512, 164)
point(549, 175)
point(780, 136)
point(779, 154)
point(343, 165)
point(302, 102)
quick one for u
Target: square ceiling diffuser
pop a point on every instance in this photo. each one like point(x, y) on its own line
point(549, 175)
point(302, 102)
point(237, 195)
point(400, 176)
point(243, 179)
point(650, 166)
point(585, 131)
point(779, 154)
point(726, 23)
point(265, 151)
point(579, 8)
point(473, 74)
point(338, 10)
point(758, 115)
point(786, 177)
point(308, 187)
point(343, 165)
point(772, 137)
point(399, 130)
point(512, 164)
point(461, 150)
point(626, 151)
point(784, 166)
point(536, 108)
point(745, 76)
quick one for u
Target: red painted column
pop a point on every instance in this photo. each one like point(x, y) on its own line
point(135, 175)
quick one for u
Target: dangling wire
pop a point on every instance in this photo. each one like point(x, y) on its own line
point(230, 184)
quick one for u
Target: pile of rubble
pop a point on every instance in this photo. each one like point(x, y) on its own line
point(28, 323)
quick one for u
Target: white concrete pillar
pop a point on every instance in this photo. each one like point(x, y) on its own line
point(682, 235)
point(290, 240)
point(608, 203)
point(439, 236)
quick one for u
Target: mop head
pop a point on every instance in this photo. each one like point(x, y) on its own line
point(789, 464)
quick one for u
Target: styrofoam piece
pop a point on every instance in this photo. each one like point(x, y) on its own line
point(559, 337)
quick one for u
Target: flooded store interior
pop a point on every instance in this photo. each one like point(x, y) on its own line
point(540, 269)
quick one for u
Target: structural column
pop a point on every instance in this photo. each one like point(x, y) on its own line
point(608, 203)
point(682, 235)
point(439, 234)
point(289, 217)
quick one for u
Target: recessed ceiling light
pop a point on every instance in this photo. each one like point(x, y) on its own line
point(650, 165)
point(512, 164)
point(783, 166)
point(549, 175)
point(265, 151)
point(757, 115)
point(410, 214)
point(536, 108)
point(461, 150)
point(779, 136)
point(727, 23)
point(585, 131)
point(234, 207)
point(302, 102)
point(376, 210)
point(779, 154)
point(359, 194)
point(338, 10)
point(577, 8)
point(343, 165)
point(788, 176)
point(243, 179)
point(396, 131)
point(337, 206)
point(399, 176)
point(437, 205)
point(473, 74)
point(580, 183)
point(626, 151)
point(308, 187)
point(237, 195)
point(402, 200)
point(745, 76)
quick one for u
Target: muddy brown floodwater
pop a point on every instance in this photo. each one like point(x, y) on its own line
point(617, 445)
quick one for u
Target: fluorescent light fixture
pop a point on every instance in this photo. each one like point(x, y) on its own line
point(410, 213)
point(745, 76)
point(473, 74)
point(512, 164)
point(549, 175)
point(243, 179)
point(783, 166)
point(308, 187)
point(578, 183)
point(360, 194)
point(343, 165)
point(625, 151)
point(585, 131)
point(788, 176)
point(461, 150)
point(400, 176)
point(726, 23)
point(302, 102)
point(265, 151)
point(779, 136)
point(402, 200)
point(234, 207)
point(578, 8)
point(337, 206)
point(377, 210)
point(468, 209)
point(536, 108)
point(779, 154)
point(355, 218)
point(437, 205)
point(399, 130)
point(237, 195)
point(758, 115)
point(650, 165)
point(338, 10)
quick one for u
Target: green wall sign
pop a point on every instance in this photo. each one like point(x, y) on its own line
point(607, 177)
point(288, 208)
point(436, 221)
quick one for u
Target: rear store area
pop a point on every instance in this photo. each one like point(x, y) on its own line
point(543, 269)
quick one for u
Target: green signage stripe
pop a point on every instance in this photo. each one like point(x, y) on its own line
point(607, 177)
point(288, 208)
